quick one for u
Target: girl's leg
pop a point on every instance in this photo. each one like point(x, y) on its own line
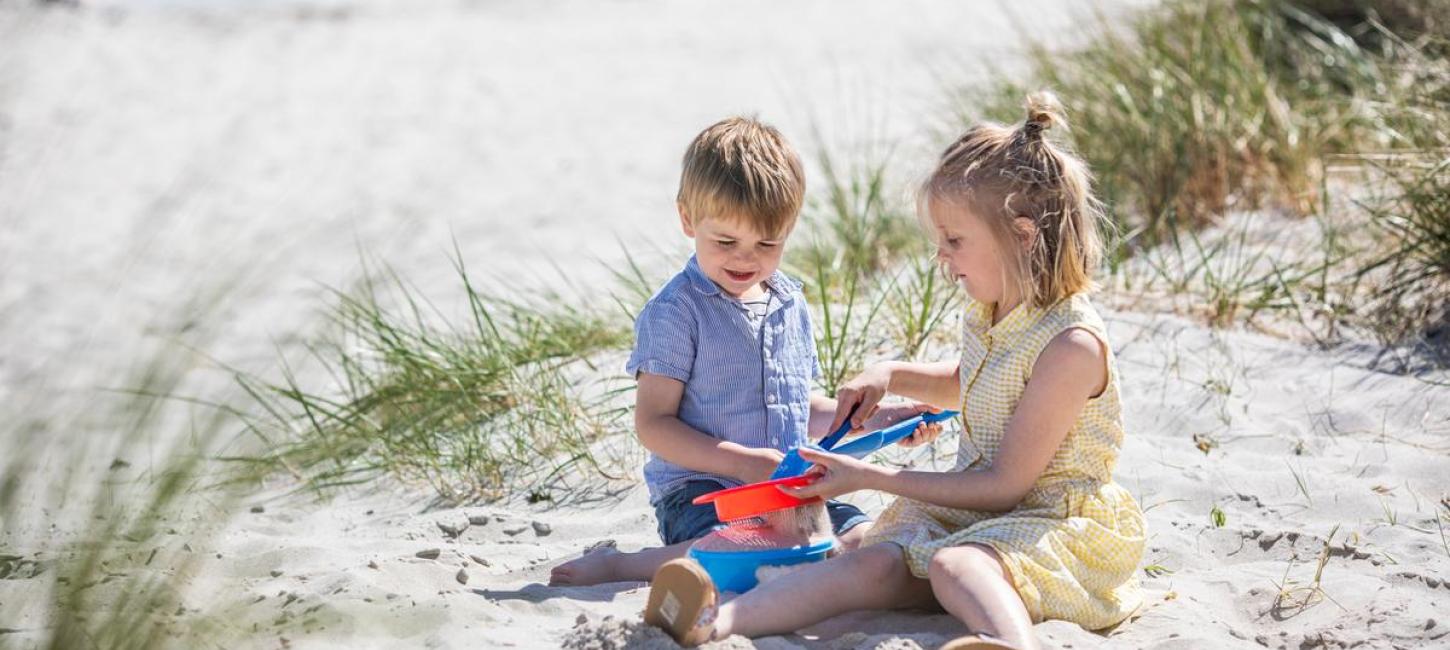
point(971, 583)
point(874, 577)
point(606, 564)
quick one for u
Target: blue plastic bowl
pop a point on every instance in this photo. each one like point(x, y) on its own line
point(735, 570)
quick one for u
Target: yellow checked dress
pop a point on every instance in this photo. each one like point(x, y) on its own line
point(1072, 546)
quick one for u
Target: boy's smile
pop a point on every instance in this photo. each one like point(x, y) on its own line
point(733, 255)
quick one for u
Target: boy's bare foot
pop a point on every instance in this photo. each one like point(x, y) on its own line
point(595, 567)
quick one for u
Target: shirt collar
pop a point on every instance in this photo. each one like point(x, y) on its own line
point(1017, 321)
point(782, 284)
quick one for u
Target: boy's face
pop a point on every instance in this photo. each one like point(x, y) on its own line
point(733, 254)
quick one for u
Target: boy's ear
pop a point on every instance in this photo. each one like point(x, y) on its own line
point(685, 223)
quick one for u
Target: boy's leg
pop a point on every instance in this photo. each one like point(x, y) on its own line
point(875, 577)
point(607, 564)
point(971, 583)
point(849, 523)
point(680, 522)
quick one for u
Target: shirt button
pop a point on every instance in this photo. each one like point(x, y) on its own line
point(770, 398)
point(775, 441)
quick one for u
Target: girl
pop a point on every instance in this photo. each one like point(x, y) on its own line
point(1029, 525)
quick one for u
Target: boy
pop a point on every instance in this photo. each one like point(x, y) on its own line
point(724, 353)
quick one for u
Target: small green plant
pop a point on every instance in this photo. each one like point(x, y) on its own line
point(1299, 481)
point(1157, 571)
point(1217, 517)
point(1293, 599)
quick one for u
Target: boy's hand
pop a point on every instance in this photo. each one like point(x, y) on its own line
point(865, 390)
point(890, 414)
point(762, 465)
point(835, 475)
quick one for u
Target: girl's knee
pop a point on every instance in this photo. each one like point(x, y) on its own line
point(964, 562)
point(879, 562)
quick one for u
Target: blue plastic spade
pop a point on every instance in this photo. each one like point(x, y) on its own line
point(794, 465)
point(863, 446)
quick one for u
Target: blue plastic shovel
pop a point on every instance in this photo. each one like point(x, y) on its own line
point(794, 465)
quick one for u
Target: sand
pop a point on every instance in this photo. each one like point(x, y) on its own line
point(156, 150)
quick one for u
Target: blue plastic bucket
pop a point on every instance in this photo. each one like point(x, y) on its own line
point(735, 570)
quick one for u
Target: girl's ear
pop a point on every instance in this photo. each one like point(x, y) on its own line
point(685, 223)
point(1026, 230)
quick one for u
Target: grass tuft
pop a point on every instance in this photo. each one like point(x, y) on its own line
point(474, 411)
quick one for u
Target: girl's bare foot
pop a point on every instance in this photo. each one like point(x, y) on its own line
point(596, 566)
point(977, 642)
point(683, 601)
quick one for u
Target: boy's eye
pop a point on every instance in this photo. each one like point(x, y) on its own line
point(768, 244)
point(953, 241)
point(727, 243)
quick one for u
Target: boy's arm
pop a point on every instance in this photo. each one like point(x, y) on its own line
point(822, 410)
point(656, 419)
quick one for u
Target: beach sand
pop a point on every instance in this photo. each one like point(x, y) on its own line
point(157, 151)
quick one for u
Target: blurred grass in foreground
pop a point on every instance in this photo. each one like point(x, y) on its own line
point(107, 501)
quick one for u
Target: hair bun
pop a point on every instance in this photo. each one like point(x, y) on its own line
point(1044, 111)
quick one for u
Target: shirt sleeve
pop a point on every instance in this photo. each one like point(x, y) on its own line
point(664, 341)
point(810, 332)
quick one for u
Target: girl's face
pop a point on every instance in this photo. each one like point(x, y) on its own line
point(734, 255)
point(972, 254)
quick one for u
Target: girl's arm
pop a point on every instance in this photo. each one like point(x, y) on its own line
point(1069, 372)
point(935, 383)
point(656, 419)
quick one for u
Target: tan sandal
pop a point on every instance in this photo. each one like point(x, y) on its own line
point(683, 601)
point(977, 642)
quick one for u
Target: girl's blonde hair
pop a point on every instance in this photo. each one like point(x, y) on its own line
point(1000, 173)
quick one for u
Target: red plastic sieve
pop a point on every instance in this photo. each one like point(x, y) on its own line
point(756, 499)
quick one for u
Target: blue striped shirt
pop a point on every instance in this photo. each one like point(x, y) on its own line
point(746, 384)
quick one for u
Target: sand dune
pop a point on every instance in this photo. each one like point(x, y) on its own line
point(149, 152)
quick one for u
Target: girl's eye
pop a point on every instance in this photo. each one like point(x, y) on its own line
point(726, 243)
point(766, 244)
point(953, 241)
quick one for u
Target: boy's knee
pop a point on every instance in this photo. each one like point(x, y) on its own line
point(851, 539)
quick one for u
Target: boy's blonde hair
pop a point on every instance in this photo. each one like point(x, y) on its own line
point(741, 168)
point(1000, 173)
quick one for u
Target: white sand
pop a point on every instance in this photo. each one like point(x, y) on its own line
point(149, 153)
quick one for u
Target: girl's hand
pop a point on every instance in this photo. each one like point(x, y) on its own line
point(865, 390)
point(890, 414)
point(836, 475)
